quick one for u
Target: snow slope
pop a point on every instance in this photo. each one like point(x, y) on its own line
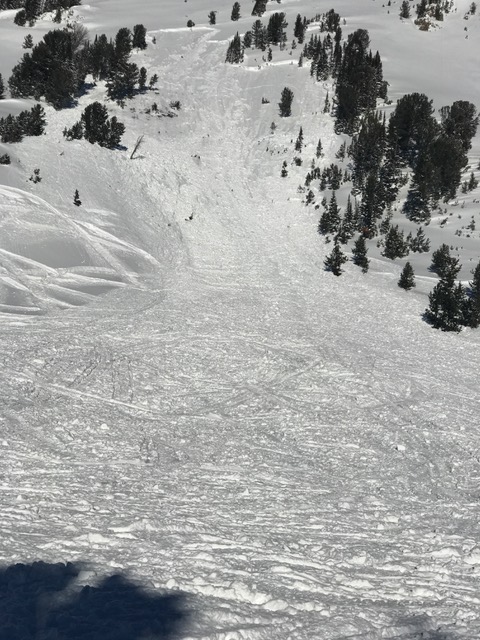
point(297, 453)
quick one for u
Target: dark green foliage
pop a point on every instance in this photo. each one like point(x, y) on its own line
point(53, 69)
point(98, 128)
point(472, 302)
point(235, 12)
point(28, 42)
point(122, 82)
point(330, 218)
point(420, 243)
point(139, 37)
point(443, 263)
point(5, 159)
point(395, 244)
point(360, 82)
point(359, 253)
point(299, 141)
point(412, 126)
point(259, 7)
point(285, 104)
point(27, 123)
point(300, 28)
point(123, 45)
point(276, 28)
point(405, 9)
point(407, 277)
point(335, 260)
point(235, 50)
point(460, 121)
point(212, 17)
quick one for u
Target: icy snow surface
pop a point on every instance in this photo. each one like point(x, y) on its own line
point(195, 403)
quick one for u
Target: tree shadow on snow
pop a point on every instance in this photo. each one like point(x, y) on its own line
point(40, 602)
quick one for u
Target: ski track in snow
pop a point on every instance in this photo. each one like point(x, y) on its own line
point(299, 453)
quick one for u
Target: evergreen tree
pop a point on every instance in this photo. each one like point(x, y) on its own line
point(299, 29)
point(405, 9)
point(259, 7)
point(10, 129)
point(235, 50)
point(460, 121)
point(348, 222)
point(395, 244)
point(359, 252)
point(276, 28)
point(122, 82)
point(28, 42)
point(407, 277)
point(446, 305)
point(212, 17)
point(319, 150)
point(247, 39)
point(123, 45)
point(235, 12)
point(142, 79)
point(76, 199)
point(420, 243)
point(284, 172)
point(443, 263)
point(32, 122)
point(98, 128)
point(472, 303)
point(5, 159)
point(299, 141)
point(2, 88)
point(139, 37)
point(285, 104)
point(330, 218)
point(335, 260)
point(75, 133)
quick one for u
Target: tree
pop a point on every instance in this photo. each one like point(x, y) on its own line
point(330, 218)
point(446, 305)
point(443, 263)
point(460, 121)
point(2, 88)
point(123, 45)
point(190, 24)
point(359, 252)
point(142, 78)
point(32, 122)
point(259, 7)
point(122, 83)
point(235, 50)
point(395, 245)
point(284, 171)
point(405, 9)
point(420, 243)
point(235, 12)
point(407, 277)
point(28, 42)
point(285, 104)
point(76, 199)
point(139, 37)
point(319, 150)
point(300, 28)
point(472, 303)
point(299, 141)
point(335, 260)
point(98, 128)
point(212, 17)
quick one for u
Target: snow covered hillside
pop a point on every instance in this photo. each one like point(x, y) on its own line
point(261, 449)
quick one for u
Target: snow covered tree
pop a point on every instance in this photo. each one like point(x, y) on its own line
point(407, 277)
point(359, 253)
point(334, 261)
point(235, 12)
point(285, 104)
point(139, 37)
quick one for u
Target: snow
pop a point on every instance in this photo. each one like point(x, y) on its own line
point(195, 404)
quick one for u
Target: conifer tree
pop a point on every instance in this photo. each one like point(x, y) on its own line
point(446, 304)
point(212, 17)
point(330, 218)
point(28, 42)
point(2, 88)
point(420, 243)
point(472, 303)
point(76, 199)
point(395, 244)
point(299, 141)
point(284, 172)
point(139, 37)
point(442, 262)
point(335, 260)
point(235, 50)
point(407, 277)
point(319, 151)
point(359, 252)
point(285, 104)
point(405, 9)
point(235, 11)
